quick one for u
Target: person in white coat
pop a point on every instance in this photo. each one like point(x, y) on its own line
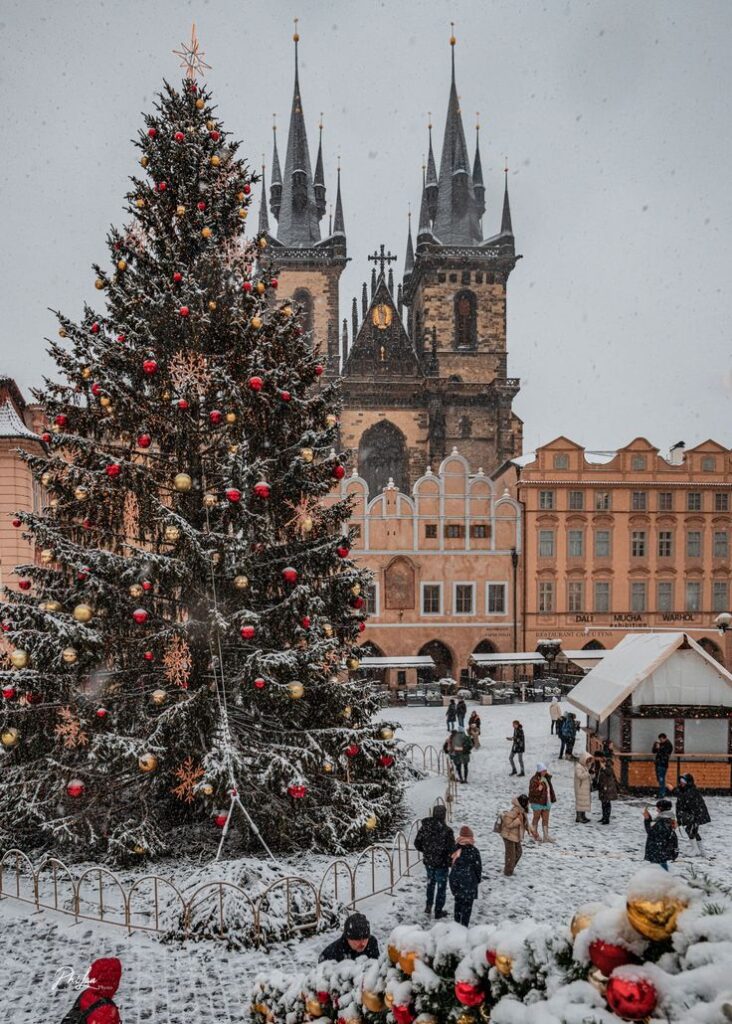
point(583, 787)
point(555, 713)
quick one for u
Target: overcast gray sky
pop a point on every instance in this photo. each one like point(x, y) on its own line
point(614, 115)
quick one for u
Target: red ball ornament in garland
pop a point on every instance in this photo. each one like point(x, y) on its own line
point(256, 383)
point(233, 494)
point(46, 437)
point(17, 523)
point(201, 205)
point(61, 420)
point(162, 185)
point(6, 627)
point(121, 338)
point(152, 132)
point(262, 489)
point(403, 1013)
point(318, 370)
point(149, 656)
point(289, 574)
point(338, 471)
point(144, 441)
point(297, 792)
point(179, 136)
point(361, 627)
point(215, 135)
point(184, 311)
point(95, 328)
point(75, 788)
point(182, 404)
point(631, 998)
point(140, 615)
point(101, 713)
point(113, 469)
point(352, 750)
point(357, 602)
point(86, 524)
point(147, 586)
point(343, 551)
point(285, 396)
point(469, 994)
point(8, 692)
point(247, 286)
point(306, 622)
point(96, 389)
point(274, 283)
point(490, 957)
point(247, 189)
point(149, 367)
point(33, 698)
point(24, 584)
point(177, 277)
point(607, 956)
point(259, 683)
point(386, 760)
point(247, 632)
point(216, 416)
point(220, 820)
point(83, 573)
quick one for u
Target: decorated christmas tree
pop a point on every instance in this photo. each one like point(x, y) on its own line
point(183, 650)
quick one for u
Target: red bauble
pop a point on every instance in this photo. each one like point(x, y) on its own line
point(96, 389)
point(338, 471)
point(361, 627)
point(24, 584)
point(357, 602)
point(259, 683)
point(247, 286)
point(102, 712)
point(147, 585)
point(17, 522)
point(7, 627)
point(201, 205)
point(343, 551)
point(177, 277)
point(262, 489)
point(469, 994)
point(256, 383)
point(220, 820)
point(121, 338)
point(8, 692)
point(140, 615)
point(215, 135)
point(149, 366)
point(182, 403)
point(95, 328)
point(247, 632)
point(323, 997)
point(162, 185)
point(83, 573)
point(113, 469)
point(607, 956)
point(144, 441)
point(402, 1013)
point(184, 311)
point(179, 136)
point(152, 132)
point(631, 998)
point(352, 750)
point(297, 792)
point(61, 420)
point(33, 698)
point(233, 494)
point(274, 282)
point(247, 189)
point(386, 761)
point(306, 622)
point(75, 788)
point(318, 370)
point(216, 416)
point(149, 656)
point(46, 437)
point(490, 957)
point(285, 396)
point(289, 574)
point(86, 524)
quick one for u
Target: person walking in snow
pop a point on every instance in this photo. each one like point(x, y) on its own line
point(662, 844)
point(583, 787)
point(662, 750)
point(435, 840)
point(514, 824)
point(95, 1004)
point(465, 875)
point(518, 747)
point(555, 714)
point(541, 798)
point(451, 715)
point(474, 729)
point(607, 787)
point(461, 710)
point(691, 811)
point(355, 941)
point(459, 746)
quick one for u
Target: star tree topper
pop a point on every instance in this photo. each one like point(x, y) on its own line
point(192, 58)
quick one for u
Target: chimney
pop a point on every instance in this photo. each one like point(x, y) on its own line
point(676, 455)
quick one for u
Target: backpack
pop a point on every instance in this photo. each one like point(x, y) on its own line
point(78, 1016)
point(498, 823)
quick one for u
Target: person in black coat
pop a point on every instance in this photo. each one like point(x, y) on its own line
point(461, 710)
point(662, 844)
point(355, 941)
point(435, 840)
point(662, 750)
point(451, 715)
point(691, 811)
point(518, 747)
point(465, 875)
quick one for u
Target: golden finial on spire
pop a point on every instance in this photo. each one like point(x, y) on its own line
point(274, 122)
point(453, 40)
point(477, 120)
point(505, 165)
point(191, 57)
point(320, 123)
point(429, 119)
point(296, 34)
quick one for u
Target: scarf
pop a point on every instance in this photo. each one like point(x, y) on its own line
point(462, 841)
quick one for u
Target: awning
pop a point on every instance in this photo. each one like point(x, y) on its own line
point(407, 661)
point(515, 658)
point(583, 659)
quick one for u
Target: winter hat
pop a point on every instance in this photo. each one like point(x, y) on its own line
point(357, 927)
point(439, 811)
point(664, 805)
point(104, 976)
point(466, 832)
point(541, 767)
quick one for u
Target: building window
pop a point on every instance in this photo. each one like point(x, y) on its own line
point(638, 463)
point(371, 599)
point(721, 544)
point(602, 501)
point(454, 531)
point(546, 543)
point(465, 320)
point(638, 596)
point(638, 543)
point(693, 596)
point(639, 501)
point(721, 501)
point(432, 599)
point(665, 501)
point(602, 596)
point(709, 464)
point(430, 531)
point(546, 598)
point(694, 544)
point(546, 499)
point(575, 596)
point(561, 461)
point(464, 598)
point(576, 500)
point(576, 543)
point(720, 596)
point(496, 599)
point(665, 543)
point(693, 501)
point(479, 531)
point(665, 596)
point(602, 543)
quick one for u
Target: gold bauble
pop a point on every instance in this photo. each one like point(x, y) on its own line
point(331, 419)
point(347, 711)
point(371, 823)
point(389, 998)
point(314, 1007)
point(504, 964)
point(241, 582)
point(241, 196)
point(210, 125)
point(121, 264)
point(387, 733)
point(372, 1001)
point(307, 454)
point(83, 613)
point(172, 534)
point(158, 697)
point(243, 213)
point(256, 322)
point(182, 482)
point(139, 850)
point(147, 762)
point(99, 284)
point(105, 401)
point(215, 161)
point(230, 417)
point(86, 373)
point(579, 922)
point(327, 767)
point(296, 690)
point(393, 953)
point(407, 961)
point(353, 664)
point(261, 287)
point(286, 310)
point(180, 210)
point(9, 737)
point(233, 449)
point(466, 1017)
point(166, 396)
point(19, 658)
point(598, 980)
point(356, 589)
point(327, 629)
point(139, 203)
point(200, 103)
point(206, 789)
point(51, 606)
point(70, 655)
point(654, 919)
point(55, 428)
point(209, 500)
point(136, 590)
point(62, 333)
point(212, 306)
point(46, 478)
point(81, 493)
point(262, 243)
point(307, 524)
point(47, 555)
point(206, 232)
point(144, 161)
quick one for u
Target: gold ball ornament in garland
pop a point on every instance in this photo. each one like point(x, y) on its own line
point(50, 606)
point(504, 964)
point(206, 789)
point(331, 419)
point(261, 287)
point(371, 823)
point(356, 589)
point(139, 203)
point(353, 664)
point(206, 232)
point(307, 454)
point(180, 210)
point(81, 493)
point(655, 919)
point(46, 479)
point(372, 1001)
point(105, 401)
point(209, 500)
point(581, 920)
point(86, 373)
point(122, 265)
point(147, 762)
point(158, 697)
point(99, 284)
point(313, 1006)
point(386, 733)
point(466, 1018)
point(182, 482)
point(62, 332)
point(136, 590)
point(262, 243)
point(172, 534)
point(328, 767)
point(407, 961)
point(243, 214)
point(392, 953)
point(296, 690)
point(230, 417)
point(286, 310)
point(327, 629)
point(144, 161)
point(212, 306)
point(347, 711)
point(69, 655)
point(83, 613)
point(389, 996)
point(241, 582)
point(9, 737)
point(256, 322)
point(215, 161)
point(47, 555)
point(200, 104)
point(139, 850)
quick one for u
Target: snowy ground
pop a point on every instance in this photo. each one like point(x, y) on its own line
point(205, 984)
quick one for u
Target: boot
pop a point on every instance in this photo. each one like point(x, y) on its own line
point(440, 914)
point(521, 773)
point(702, 851)
point(585, 819)
point(513, 772)
point(428, 910)
point(578, 818)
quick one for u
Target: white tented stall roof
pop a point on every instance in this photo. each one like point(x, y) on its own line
point(408, 661)
point(584, 659)
point(515, 658)
point(655, 668)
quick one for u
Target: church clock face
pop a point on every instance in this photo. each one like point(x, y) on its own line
point(381, 316)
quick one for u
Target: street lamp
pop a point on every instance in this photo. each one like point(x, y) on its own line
point(549, 649)
point(723, 622)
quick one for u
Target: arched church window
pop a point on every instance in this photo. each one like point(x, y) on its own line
point(382, 455)
point(399, 583)
point(465, 319)
point(304, 300)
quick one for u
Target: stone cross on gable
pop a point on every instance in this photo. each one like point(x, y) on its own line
point(381, 258)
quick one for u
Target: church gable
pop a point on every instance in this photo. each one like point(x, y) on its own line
point(382, 347)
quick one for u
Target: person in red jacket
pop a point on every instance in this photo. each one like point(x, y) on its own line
point(95, 1004)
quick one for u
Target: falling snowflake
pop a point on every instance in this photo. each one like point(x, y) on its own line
point(189, 776)
point(307, 514)
point(178, 662)
point(69, 730)
point(189, 371)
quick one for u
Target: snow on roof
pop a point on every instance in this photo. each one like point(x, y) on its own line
point(585, 655)
point(516, 658)
point(11, 425)
point(635, 660)
point(409, 661)
point(599, 458)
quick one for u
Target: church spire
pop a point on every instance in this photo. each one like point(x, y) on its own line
point(431, 177)
point(339, 227)
point(506, 228)
point(424, 231)
point(263, 226)
point(478, 186)
point(409, 258)
point(275, 185)
point(319, 180)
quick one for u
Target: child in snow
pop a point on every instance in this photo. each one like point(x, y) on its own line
point(541, 798)
point(662, 844)
point(465, 875)
point(691, 811)
point(514, 824)
point(95, 1004)
point(474, 729)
